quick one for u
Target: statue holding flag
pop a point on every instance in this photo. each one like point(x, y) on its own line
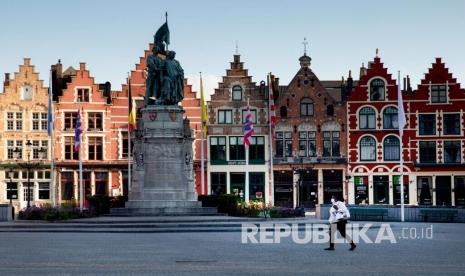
point(165, 78)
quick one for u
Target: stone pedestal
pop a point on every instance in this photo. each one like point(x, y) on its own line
point(162, 171)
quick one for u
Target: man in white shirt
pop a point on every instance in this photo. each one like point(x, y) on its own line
point(338, 216)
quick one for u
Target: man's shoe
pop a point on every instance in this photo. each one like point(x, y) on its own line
point(352, 247)
point(329, 248)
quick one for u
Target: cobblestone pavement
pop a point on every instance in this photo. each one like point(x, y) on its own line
point(223, 253)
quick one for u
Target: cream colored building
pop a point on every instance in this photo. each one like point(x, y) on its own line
point(23, 133)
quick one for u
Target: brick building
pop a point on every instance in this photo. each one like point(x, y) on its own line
point(104, 135)
point(23, 128)
point(310, 146)
point(437, 140)
point(226, 155)
point(374, 142)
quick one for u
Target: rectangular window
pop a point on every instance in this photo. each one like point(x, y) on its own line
point(39, 121)
point(11, 190)
point(254, 115)
point(83, 94)
point(28, 193)
point(12, 146)
point(427, 152)
point(361, 189)
point(307, 143)
point(257, 150)
point(70, 120)
point(283, 142)
point(95, 121)
point(19, 121)
point(44, 190)
point(218, 149)
point(438, 94)
point(14, 121)
point(95, 148)
point(125, 144)
point(38, 147)
point(427, 123)
point(257, 186)
point(236, 148)
point(218, 183)
point(70, 154)
point(331, 144)
point(224, 116)
point(67, 187)
point(451, 124)
point(101, 183)
point(452, 152)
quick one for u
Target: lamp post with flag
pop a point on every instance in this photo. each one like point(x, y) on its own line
point(402, 122)
point(248, 132)
point(77, 148)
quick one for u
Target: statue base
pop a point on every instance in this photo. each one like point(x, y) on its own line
point(162, 170)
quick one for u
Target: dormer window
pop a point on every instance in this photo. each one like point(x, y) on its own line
point(377, 90)
point(237, 93)
point(438, 93)
point(83, 95)
point(306, 107)
point(26, 92)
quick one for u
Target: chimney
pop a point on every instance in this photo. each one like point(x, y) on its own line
point(363, 71)
point(6, 82)
point(82, 66)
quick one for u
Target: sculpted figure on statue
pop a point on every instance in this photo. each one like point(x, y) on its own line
point(165, 78)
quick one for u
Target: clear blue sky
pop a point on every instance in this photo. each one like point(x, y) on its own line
point(111, 35)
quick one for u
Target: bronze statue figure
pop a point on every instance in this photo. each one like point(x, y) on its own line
point(165, 78)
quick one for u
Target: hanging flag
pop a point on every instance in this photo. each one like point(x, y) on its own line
point(50, 109)
point(132, 110)
point(204, 110)
point(77, 133)
point(271, 106)
point(248, 127)
point(400, 111)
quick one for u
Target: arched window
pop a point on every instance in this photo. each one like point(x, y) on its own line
point(390, 118)
point(391, 147)
point(367, 149)
point(377, 90)
point(306, 107)
point(283, 111)
point(367, 118)
point(237, 93)
point(330, 110)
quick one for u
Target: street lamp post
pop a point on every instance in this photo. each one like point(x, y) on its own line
point(17, 152)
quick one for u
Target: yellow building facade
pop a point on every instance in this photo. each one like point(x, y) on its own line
point(24, 141)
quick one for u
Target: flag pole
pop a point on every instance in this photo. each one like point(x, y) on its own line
point(401, 126)
point(202, 154)
point(52, 141)
point(270, 143)
point(81, 192)
point(246, 188)
point(129, 140)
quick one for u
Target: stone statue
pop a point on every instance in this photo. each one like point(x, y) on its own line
point(165, 78)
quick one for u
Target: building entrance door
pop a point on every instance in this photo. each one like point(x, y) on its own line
point(237, 185)
point(459, 189)
point(443, 191)
point(332, 185)
point(381, 189)
point(308, 193)
point(283, 188)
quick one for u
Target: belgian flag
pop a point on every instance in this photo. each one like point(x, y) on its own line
point(132, 110)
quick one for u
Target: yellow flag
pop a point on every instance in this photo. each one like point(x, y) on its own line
point(204, 110)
